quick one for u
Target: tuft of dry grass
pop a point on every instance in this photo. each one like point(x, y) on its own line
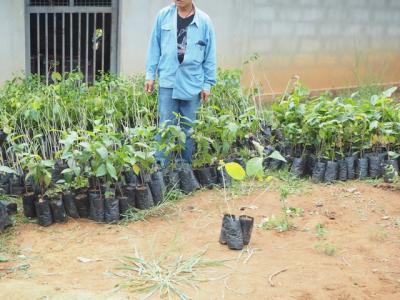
point(167, 276)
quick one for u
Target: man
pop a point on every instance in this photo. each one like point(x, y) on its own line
point(182, 53)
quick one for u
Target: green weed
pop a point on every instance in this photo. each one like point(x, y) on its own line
point(327, 249)
point(379, 235)
point(320, 230)
point(163, 208)
point(280, 224)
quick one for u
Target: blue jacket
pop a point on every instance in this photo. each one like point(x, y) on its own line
point(198, 70)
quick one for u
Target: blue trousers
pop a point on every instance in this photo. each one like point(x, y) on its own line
point(167, 108)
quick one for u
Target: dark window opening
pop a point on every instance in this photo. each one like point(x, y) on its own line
point(92, 2)
point(67, 2)
point(49, 2)
point(83, 45)
point(81, 36)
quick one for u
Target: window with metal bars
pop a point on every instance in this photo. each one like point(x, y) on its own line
point(92, 2)
point(49, 2)
point(71, 38)
point(69, 2)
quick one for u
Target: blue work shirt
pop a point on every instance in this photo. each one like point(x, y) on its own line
point(198, 69)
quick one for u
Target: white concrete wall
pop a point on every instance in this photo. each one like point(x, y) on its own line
point(12, 34)
point(329, 43)
point(137, 19)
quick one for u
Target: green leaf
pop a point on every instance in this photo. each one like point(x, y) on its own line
point(101, 170)
point(235, 171)
point(276, 155)
point(111, 170)
point(393, 155)
point(48, 163)
point(55, 76)
point(67, 171)
point(5, 169)
point(374, 100)
point(389, 92)
point(47, 178)
point(373, 125)
point(102, 151)
point(254, 167)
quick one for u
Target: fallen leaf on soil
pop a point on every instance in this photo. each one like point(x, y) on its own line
point(248, 207)
point(86, 260)
point(385, 186)
point(351, 190)
point(319, 203)
point(331, 215)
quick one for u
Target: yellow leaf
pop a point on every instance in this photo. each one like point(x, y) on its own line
point(235, 171)
point(269, 179)
point(136, 169)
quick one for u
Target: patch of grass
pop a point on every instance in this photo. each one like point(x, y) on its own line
point(7, 237)
point(7, 245)
point(320, 230)
point(280, 224)
point(293, 211)
point(327, 249)
point(397, 223)
point(163, 208)
point(379, 235)
point(287, 181)
point(373, 181)
point(165, 276)
point(244, 188)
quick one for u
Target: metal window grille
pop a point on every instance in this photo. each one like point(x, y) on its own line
point(49, 2)
point(92, 2)
point(67, 2)
point(71, 35)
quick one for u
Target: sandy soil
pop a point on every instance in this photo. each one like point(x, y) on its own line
point(365, 234)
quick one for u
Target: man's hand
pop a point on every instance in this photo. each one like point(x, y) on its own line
point(204, 95)
point(149, 86)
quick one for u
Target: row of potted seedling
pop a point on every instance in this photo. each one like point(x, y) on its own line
point(110, 204)
point(371, 165)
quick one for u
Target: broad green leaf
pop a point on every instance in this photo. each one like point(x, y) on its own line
point(102, 151)
point(47, 178)
point(111, 170)
point(235, 171)
point(373, 125)
point(101, 170)
point(374, 100)
point(276, 155)
point(389, 92)
point(67, 171)
point(233, 127)
point(8, 170)
point(48, 163)
point(254, 167)
point(393, 155)
point(55, 76)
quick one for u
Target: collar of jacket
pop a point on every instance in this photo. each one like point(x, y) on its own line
point(196, 15)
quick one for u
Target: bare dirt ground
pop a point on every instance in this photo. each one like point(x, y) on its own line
point(363, 241)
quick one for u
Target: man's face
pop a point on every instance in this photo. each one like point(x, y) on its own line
point(183, 3)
